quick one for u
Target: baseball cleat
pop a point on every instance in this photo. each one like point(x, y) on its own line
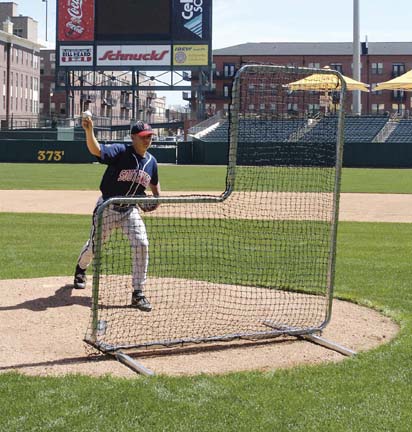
point(80, 278)
point(139, 301)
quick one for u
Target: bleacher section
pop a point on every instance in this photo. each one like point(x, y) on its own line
point(273, 130)
point(363, 128)
point(323, 131)
point(357, 129)
point(402, 133)
point(219, 134)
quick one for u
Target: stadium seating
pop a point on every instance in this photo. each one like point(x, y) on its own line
point(357, 129)
point(219, 134)
point(402, 133)
point(363, 128)
point(273, 130)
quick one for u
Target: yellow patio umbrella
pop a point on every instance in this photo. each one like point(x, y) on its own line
point(402, 82)
point(326, 83)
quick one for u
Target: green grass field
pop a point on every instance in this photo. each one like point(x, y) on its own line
point(184, 178)
point(370, 392)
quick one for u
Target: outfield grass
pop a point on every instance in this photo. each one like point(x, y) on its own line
point(88, 176)
point(185, 178)
point(377, 180)
point(66, 235)
point(370, 392)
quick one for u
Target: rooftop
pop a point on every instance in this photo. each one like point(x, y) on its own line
point(313, 48)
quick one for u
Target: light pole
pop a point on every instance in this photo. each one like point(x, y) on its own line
point(356, 101)
point(50, 106)
point(47, 7)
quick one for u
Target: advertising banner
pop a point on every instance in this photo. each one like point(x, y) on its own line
point(191, 20)
point(190, 55)
point(133, 55)
point(75, 20)
point(76, 56)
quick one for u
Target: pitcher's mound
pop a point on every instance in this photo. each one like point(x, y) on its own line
point(43, 322)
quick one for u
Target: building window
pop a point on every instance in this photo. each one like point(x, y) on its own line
point(229, 70)
point(226, 90)
point(398, 107)
point(337, 67)
point(398, 69)
point(378, 108)
point(251, 107)
point(313, 108)
point(377, 68)
point(398, 94)
point(314, 65)
point(293, 107)
point(18, 32)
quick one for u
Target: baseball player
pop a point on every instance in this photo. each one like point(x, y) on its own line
point(131, 169)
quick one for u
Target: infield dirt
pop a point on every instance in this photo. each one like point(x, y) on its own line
point(356, 207)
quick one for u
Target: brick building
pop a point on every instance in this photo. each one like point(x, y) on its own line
point(19, 68)
point(380, 61)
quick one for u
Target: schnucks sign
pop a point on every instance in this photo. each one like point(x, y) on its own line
point(133, 55)
point(76, 20)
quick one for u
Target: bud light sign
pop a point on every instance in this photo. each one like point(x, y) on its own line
point(192, 20)
point(76, 20)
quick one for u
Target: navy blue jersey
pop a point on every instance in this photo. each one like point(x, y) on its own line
point(127, 174)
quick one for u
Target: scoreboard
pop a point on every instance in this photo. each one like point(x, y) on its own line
point(134, 34)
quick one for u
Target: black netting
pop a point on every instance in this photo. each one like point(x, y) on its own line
point(257, 262)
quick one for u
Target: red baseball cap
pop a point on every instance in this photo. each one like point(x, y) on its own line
point(141, 129)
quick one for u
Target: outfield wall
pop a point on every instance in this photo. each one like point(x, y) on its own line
point(51, 151)
point(355, 155)
point(365, 155)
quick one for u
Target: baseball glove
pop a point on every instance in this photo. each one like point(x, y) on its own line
point(148, 207)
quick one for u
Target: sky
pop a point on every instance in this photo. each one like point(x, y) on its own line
point(240, 21)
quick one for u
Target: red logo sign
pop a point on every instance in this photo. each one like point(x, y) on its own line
point(145, 55)
point(120, 55)
point(76, 20)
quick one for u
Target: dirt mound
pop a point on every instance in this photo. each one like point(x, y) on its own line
point(42, 322)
